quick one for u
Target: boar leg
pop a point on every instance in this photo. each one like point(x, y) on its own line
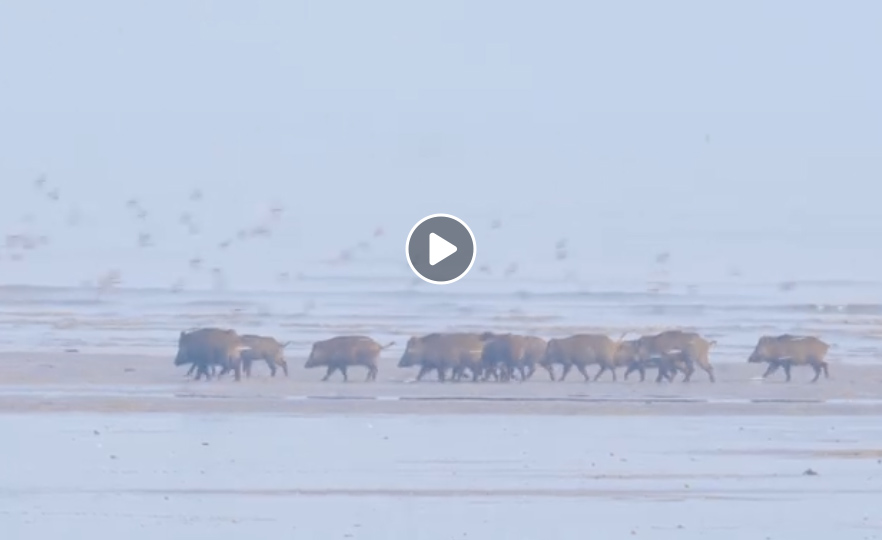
point(459, 374)
point(272, 366)
point(710, 373)
point(201, 370)
point(662, 374)
point(501, 372)
point(601, 371)
point(456, 374)
point(689, 369)
point(372, 373)
point(583, 369)
point(817, 369)
point(223, 372)
point(773, 367)
point(330, 371)
point(786, 366)
point(475, 373)
point(506, 372)
point(487, 371)
point(422, 372)
point(343, 370)
point(641, 368)
point(565, 372)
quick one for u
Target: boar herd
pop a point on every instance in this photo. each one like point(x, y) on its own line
point(500, 357)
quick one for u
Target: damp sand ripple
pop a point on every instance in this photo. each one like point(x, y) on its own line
point(402, 476)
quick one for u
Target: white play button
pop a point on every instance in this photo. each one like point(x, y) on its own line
point(439, 249)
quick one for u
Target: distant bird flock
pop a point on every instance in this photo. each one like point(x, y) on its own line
point(498, 357)
point(18, 243)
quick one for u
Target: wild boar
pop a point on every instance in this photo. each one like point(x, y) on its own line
point(439, 352)
point(507, 354)
point(339, 353)
point(697, 350)
point(183, 356)
point(181, 360)
point(208, 347)
point(625, 355)
point(264, 348)
point(212, 369)
point(581, 350)
point(788, 350)
point(667, 365)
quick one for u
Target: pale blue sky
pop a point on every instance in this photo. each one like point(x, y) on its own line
point(580, 119)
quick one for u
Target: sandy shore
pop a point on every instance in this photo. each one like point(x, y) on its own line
point(146, 476)
point(34, 382)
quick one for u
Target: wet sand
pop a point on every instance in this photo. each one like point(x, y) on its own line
point(438, 477)
point(44, 382)
point(399, 459)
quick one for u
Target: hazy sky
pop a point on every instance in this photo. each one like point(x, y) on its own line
point(626, 127)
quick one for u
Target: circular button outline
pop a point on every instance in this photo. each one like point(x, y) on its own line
point(474, 249)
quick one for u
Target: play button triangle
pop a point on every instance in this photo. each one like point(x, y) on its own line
point(439, 249)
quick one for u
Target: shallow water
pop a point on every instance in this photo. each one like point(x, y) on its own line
point(227, 476)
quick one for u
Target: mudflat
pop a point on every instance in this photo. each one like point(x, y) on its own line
point(146, 476)
point(34, 382)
